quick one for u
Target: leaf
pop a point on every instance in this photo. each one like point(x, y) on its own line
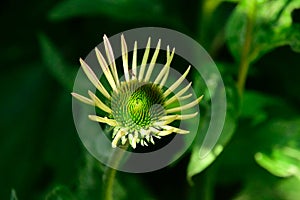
point(282, 157)
point(269, 189)
point(255, 106)
point(55, 63)
point(197, 164)
point(122, 10)
point(270, 23)
point(60, 193)
point(13, 195)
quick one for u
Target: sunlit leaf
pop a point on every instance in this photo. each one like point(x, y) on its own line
point(197, 165)
point(282, 157)
point(270, 23)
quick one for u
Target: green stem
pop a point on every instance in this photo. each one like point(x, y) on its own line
point(245, 56)
point(110, 172)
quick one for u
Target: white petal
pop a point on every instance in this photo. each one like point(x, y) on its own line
point(184, 97)
point(166, 120)
point(111, 58)
point(93, 78)
point(130, 138)
point(166, 132)
point(105, 69)
point(177, 83)
point(144, 61)
point(177, 95)
point(116, 139)
point(153, 61)
point(145, 143)
point(175, 130)
point(162, 83)
point(151, 139)
point(99, 103)
point(153, 130)
point(96, 118)
point(125, 57)
point(184, 107)
point(169, 59)
point(148, 137)
point(166, 66)
point(82, 98)
point(124, 139)
point(134, 140)
point(134, 61)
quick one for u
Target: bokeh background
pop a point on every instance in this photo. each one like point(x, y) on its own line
point(258, 154)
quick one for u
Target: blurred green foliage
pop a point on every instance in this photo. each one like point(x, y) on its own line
point(258, 154)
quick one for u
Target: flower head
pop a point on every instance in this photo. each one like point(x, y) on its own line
point(138, 108)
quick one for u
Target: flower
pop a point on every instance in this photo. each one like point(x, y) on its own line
point(138, 108)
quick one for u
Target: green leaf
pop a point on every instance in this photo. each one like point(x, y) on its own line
point(255, 106)
point(266, 188)
point(197, 165)
point(13, 195)
point(270, 23)
point(55, 63)
point(122, 10)
point(60, 193)
point(282, 157)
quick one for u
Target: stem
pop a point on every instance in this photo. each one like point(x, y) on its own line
point(209, 180)
point(110, 172)
point(245, 58)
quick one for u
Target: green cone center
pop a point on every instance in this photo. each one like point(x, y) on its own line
point(137, 105)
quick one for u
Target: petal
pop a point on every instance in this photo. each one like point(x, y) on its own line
point(125, 57)
point(99, 103)
point(124, 139)
point(166, 120)
point(117, 138)
point(175, 130)
point(111, 58)
point(184, 107)
point(83, 99)
point(96, 118)
point(93, 78)
point(162, 83)
point(177, 83)
point(178, 94)
point(166, 132)
point(153, 61)
point(105, 69)
point(144, 61)
point(179, 117)
point(166, 66)
point(151, 140)
point(184, 97)
point(170, 118)
point(153, 130)
point(134, 61)
point(134, 140)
